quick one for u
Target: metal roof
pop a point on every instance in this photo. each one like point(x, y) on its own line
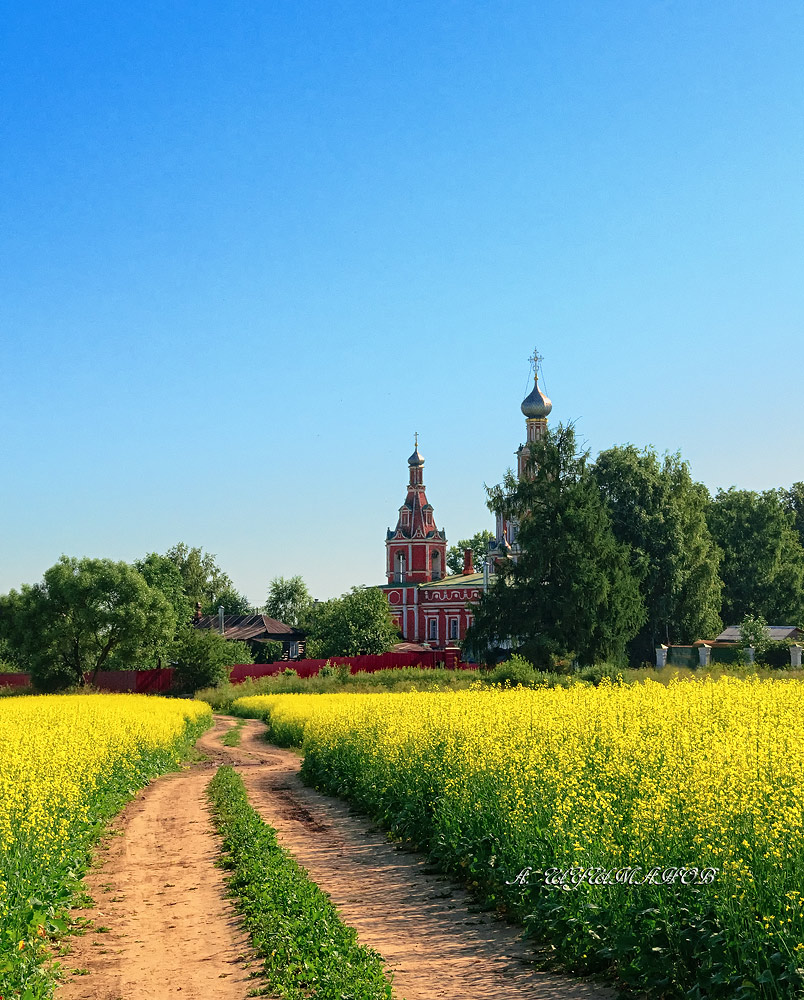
point(244, 627)
point(777, 633)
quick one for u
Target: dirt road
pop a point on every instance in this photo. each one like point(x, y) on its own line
point(171, 930)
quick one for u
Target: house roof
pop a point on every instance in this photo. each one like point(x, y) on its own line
point(250, 627)
point(777, 633)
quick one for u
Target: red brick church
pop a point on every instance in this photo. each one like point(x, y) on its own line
point(429, 606)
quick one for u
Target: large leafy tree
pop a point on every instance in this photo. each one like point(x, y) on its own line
point(358, 622)
point(86, 614)
point(763, 558)
point(659, 512)
point(478, 543)
point(205, 582)
point(572, 591)
point(289, 600)
point(163, 575)
point(793, 500)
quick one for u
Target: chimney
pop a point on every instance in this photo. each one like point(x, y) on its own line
point(467, 562)
point(220, 619)
point(197, 616)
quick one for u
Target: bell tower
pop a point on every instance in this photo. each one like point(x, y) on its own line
point(536, 407)
point(416, 551)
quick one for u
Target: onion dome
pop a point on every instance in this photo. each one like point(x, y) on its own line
point(536, 404)
point(416, 458)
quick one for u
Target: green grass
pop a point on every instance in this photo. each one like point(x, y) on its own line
point(231, 738)
point(396, 679)
point(307, 951)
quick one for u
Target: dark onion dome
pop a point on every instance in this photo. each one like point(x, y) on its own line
point(536, 404)
point(416, 458)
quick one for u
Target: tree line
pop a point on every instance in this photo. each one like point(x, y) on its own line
point(88, 615)
point(628, 551)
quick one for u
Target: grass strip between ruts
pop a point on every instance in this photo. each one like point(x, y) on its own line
point(231, 738)
point(308, 952)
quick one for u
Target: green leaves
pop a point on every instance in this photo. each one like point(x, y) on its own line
point(763, 557)
point(659, 512)
point(85, 615)
point(573, 591)
point(202, 658)
point(356, 623)
point(307, 950)
point(289, 600)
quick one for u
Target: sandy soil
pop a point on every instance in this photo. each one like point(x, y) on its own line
point(172, 931)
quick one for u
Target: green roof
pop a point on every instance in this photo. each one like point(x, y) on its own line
point(460, 580)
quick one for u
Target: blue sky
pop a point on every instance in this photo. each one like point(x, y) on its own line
point(246, 250)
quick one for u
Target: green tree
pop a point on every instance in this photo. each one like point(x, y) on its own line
point(204, 581)
point(268, 652)
point(763, 559)
point(232, 602)
point(793, 501)
point(572, 592)
point(478, 543)
point(754, 633)
point(659, 512)
point(288, 600)
point(162, 573)
point(8, 662)
point(85, 615)
point(201, 657)
point(358, 622)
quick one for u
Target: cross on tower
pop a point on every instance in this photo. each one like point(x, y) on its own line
point(535, 360)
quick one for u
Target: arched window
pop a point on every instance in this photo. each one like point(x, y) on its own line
point(399, 567)
point(435, 564)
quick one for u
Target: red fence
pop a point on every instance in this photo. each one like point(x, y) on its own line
point(429, 659)
point(158, 681)
point(130, 681)
point(14, 680)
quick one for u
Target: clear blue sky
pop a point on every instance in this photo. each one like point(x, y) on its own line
point(246, 250)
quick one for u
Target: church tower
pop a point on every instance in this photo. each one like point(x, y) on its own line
point(416, 551)
point(536, 407)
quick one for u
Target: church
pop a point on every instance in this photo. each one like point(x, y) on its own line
point(427, 605)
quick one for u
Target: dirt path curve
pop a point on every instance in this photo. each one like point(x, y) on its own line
point(171, 930)
point(438, 947)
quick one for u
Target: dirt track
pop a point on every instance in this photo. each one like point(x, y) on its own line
point(173, 932)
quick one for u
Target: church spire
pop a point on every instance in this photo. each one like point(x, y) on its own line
point(536, 407)
point(416, 549)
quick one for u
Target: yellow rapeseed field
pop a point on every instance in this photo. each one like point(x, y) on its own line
point(66, 762)
point(614, 796)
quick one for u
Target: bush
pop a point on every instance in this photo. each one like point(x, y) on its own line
point(202, 658)
point(514, 672)
point(776, 655)
point(268, 652)
point(595, 674)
